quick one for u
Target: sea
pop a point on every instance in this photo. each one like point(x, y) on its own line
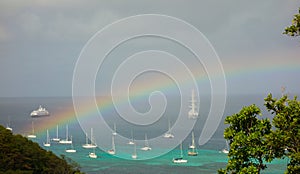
point(15, 113)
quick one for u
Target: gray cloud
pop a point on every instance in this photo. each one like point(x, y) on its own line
point(52, 33)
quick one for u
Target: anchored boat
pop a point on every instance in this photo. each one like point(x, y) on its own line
point(39, 112)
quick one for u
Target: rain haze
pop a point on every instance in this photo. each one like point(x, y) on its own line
point(40, 41)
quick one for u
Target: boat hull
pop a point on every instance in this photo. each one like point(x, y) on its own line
point(111, 152)
point(225, 151)
point(89, 146)
point(39, 115)
point(92, 155)
point(193, 115)
point(65, 142)
point(55, 139)
point(168, 135)
point(70, 150)
point(146, 148)
point(31, 136)
point(192, 153)
point(47, 144)
point(131, 143)
point(40, 112)
point(179, 160)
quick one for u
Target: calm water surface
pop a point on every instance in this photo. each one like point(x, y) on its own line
point(15, 111)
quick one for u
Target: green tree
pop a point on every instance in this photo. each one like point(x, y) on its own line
point(248, 144)
point(294, 29)
point(285, 139)
point(20, 155)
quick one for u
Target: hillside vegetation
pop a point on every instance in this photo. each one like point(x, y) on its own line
point(20, 155)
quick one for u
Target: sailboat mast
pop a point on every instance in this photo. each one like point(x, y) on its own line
point(146, 141)
point(282, 90)
point(92, 141)
point(8, 122)
point(134, 149)
point(32, 127)
point(72, 142)
point(193, 142)
point(227, 145)
point(169, 124)
point(86, 138)
point(56, 131)
point(67, 132)
point(115, 128)
point(193, 139)
point(47, 136)
point(113, 143)
point(193, 101)
point(181, 154)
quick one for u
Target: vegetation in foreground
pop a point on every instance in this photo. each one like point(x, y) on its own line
point(254, 141)
point(20, 155)
point(294, 29)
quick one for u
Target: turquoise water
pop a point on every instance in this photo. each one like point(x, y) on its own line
point(210, 159)
point(207, 162)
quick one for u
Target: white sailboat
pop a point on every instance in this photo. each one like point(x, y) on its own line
point(193, 114)
point(193, 150)
point(56, 139)
point(66, 141)
point(47, 144)
point(88, 145)
point(32, 135)
point(115, 130)
point(169, 134)
point(180, 159)
point(8, 125)
point(146, 147)
point(131, 141)
point(71, 149)
point(93, 154)
point(8, 128)
point(112, 151)
point(226, 150)
point(134, 155)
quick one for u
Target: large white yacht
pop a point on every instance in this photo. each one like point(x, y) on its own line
point(39, 112)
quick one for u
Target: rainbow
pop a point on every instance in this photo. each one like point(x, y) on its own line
point(67, 116)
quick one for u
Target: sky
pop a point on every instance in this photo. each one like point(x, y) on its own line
point(40, 41)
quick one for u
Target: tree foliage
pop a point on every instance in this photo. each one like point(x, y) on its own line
point(20, 155)
point(285, 139)
point(248, 146)
point(254, 141)
point(294, 29)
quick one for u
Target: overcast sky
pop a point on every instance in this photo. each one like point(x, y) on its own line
point(40, 41)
